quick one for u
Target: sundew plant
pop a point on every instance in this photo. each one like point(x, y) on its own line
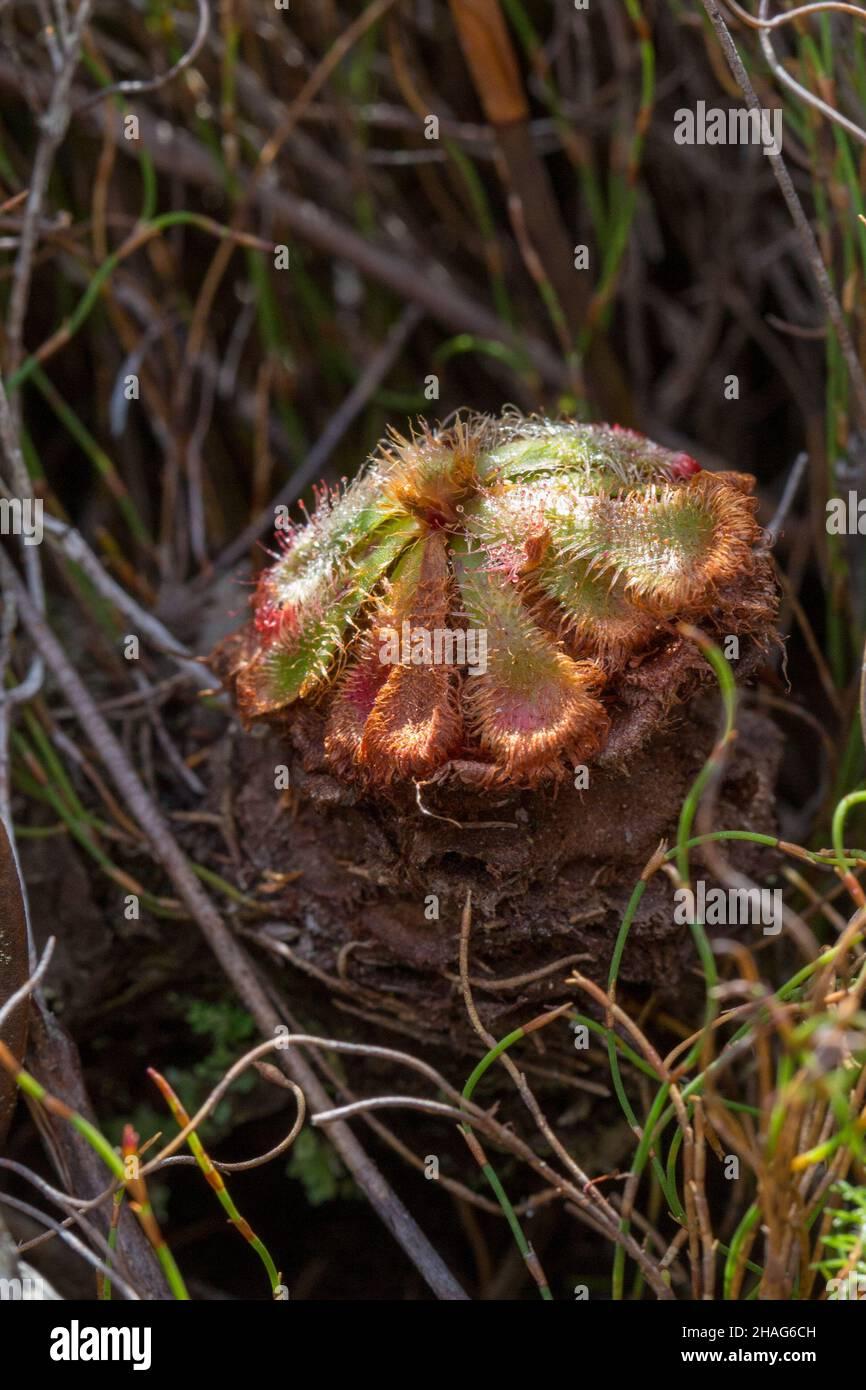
point(573, 549)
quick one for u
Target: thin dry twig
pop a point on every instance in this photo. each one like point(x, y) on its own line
point(138, 86)
point(53, 124)
point(72, 1241)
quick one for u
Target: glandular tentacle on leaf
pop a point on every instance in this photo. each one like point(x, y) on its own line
point(593, 610)
point(479, 596)
point(318, 606)
point(415, 721)
point(534, 704)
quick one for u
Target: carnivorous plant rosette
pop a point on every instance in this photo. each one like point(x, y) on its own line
point(484, 599)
